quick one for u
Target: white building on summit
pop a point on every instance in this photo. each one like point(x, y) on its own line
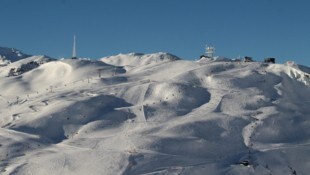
point(210, 51)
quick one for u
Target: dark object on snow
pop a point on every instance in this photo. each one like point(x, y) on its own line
point(29, 66)
point(12, 72)
point(248, 59)
point(270, 60)
point(245, 163)
point(203, 56)
point(23, 68)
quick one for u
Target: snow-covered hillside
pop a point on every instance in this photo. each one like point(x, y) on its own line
point(155, 114)
point(136, 60)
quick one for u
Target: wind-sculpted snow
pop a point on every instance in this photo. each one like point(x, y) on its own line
point(138, 59)
point(154, 114)
point(160, 98)
point(66, 123)
point(24, 65)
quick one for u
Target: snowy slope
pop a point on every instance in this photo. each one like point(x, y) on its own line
point(8, 55)
point(155, 114)
point(138, 59)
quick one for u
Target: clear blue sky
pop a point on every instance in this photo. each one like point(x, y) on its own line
point(257, 28)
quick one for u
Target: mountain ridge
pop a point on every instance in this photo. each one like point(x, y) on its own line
point(155, 114)
point(8, 55)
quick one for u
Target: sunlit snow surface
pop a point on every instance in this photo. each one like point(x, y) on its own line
point(154, 114)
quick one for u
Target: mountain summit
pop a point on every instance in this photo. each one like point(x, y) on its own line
point(154, 114)
point(8, 55)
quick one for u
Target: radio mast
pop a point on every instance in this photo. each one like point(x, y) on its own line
point(74, 49)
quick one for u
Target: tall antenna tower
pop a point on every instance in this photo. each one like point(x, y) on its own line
point(210, 51)
point(74, 49)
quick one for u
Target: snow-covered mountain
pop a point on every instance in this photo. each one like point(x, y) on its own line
point(8, 55)
point(136, 60)
point(155, 114)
